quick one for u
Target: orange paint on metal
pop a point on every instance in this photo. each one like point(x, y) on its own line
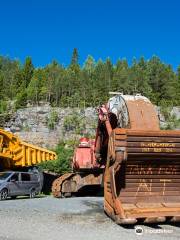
point(149, 173)
point(142, 115)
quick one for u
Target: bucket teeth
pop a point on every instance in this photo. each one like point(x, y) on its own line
point(155, 220)
point(175, 219)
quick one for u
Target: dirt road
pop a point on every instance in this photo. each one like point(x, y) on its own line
point(47, 218)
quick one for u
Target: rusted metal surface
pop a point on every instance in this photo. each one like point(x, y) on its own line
point(147, 181)
point(142, 176)
point(134, 112)
point(57, 184)
point(142, 115)
point(72, 183)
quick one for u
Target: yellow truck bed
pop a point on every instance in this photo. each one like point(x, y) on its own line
point(16, 153)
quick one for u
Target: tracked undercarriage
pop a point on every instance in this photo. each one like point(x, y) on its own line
point(75, 183)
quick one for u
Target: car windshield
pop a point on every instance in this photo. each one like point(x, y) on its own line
point(4, 175)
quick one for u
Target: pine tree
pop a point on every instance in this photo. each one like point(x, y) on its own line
point(121, 77)
point(178, 73)
point(178, 86)
point(89, 64)
point(74, 66)
point(28, 70)
point(75, 56)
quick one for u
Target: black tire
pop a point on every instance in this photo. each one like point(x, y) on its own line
point(3, 194)
point(32, 193)
point(13, 197)
point(67, 195)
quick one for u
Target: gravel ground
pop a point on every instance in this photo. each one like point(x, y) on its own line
point(72, 218)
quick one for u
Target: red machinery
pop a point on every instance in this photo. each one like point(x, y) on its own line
point(84, 157)
point(86, 171)
point(142, 174)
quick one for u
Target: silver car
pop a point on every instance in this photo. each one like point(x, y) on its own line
point(13, 184)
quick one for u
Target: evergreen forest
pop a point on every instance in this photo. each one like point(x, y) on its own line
point(88, 84)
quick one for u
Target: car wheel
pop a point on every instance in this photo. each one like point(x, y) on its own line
point(3, 194)
point(32, 193)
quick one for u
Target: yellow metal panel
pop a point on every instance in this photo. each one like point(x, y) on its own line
point(29, 162)
point(39, 156)
point(34, 156)
point(43, 156)
point(18, 153)
point(23, 156)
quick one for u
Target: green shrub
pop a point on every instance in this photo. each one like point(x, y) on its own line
point(52, 120)
point(3, 106)
point(21, 100)
point(171, 120)
point(172, 123)
point(74, 123)
point(63, 162)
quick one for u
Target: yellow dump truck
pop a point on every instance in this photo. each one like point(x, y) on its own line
point(15, 153)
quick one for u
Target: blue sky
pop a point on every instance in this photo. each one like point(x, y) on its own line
point(50, 29)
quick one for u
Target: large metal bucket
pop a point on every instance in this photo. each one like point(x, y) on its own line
point(142, 177)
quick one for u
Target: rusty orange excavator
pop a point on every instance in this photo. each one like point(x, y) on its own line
point(141, 163)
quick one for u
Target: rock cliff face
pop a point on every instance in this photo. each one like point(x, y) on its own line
point(46, 126)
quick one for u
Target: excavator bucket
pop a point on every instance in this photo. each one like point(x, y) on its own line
point(142, 175)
